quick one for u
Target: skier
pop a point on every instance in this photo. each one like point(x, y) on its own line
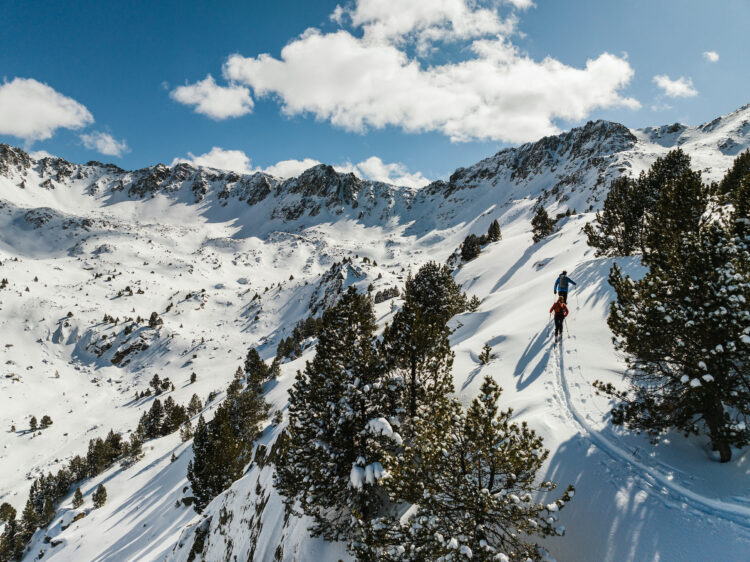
point(561, 286)
point(561, 311)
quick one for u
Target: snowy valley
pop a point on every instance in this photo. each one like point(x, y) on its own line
point(230, 262)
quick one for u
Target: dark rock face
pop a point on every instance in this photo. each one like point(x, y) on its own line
point(12, 158)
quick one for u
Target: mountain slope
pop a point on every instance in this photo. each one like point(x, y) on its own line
point(197, 245)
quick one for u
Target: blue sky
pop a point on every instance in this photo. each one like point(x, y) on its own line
point(403, 90)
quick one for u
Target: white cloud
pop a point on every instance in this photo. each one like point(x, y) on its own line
point(290, 168)
point(521, 4)
point(234, 160)
point(39, 154)
point(396, 173)
point(373, 168)
point(33, 111)
point(711, 56)
point(496, 93)
point(217, 102)
point(680, 88)
point(104, 143)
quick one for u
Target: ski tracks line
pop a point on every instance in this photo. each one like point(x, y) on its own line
point(653, 478)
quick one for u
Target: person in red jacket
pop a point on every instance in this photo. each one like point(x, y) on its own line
point(561, 311)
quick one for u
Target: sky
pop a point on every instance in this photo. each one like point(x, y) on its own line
point(404, 91)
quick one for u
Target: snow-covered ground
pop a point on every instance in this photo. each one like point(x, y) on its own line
point(199, 261)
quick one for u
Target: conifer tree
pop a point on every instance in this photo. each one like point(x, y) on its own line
point(33, 424)
point(77, 498)
point(337, 425)
point(415, 346)
point(620, 227)
point(472, 475)
point(186, 432)
point(470, 248)
point(99, 497)
point(684, 326)
point(194, 406)
point(45, 422)
point(541, 225)
point(256, 370)
point(493, 232)
point(223, 446)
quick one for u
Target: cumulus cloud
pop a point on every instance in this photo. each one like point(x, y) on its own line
point(680, 88)
point(214, 101)
point(374, 80)
point(39, 154)
point(219, 158)
point(711, 56)
point(290, 168)
point(33, 111)
point(521, 4)
point(395, 173)
point(104, 143)
point(373, 168)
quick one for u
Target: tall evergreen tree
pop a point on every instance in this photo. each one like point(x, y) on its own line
point(620, 227)
point(685, 326)
point(415, 346)
point(472, 475)
point(470, 248)
point(223, 447)
point(255, 369)
point(338, 422)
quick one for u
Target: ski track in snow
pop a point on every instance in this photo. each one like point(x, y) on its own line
point(652, 481)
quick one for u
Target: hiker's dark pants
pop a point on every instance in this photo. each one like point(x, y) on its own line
point(564, 295)
point(559, 318)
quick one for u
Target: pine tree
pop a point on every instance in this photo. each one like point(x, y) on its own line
point(493, 232)
point(473, 476)
point(337, 425)
point(154, 321)
point(46, 422)
point(77, 498)
point(194, 406)
point(415, 346)
point(186, 432)
point(33, 424)
point(542, 225)
point(223, 446)
point(620, 227)
point(470, 248)
point(256, 370)
point(99, 497)
point(684, 326)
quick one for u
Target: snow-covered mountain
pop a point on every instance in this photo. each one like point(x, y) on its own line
point(233, 261)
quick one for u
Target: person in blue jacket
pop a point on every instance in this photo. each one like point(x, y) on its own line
point(561, 285)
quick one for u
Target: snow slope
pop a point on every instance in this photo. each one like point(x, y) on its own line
point(196, 245)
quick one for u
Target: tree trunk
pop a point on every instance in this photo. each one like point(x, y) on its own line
point(715, 419)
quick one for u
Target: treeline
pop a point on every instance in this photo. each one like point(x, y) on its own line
point(684, 327)
point(223, 446)
point(374, 429)
point(48, 490)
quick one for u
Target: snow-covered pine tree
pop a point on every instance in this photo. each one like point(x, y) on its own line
point(685, 326)
point(194, 406)
point(620, 227)
point(476, 492)
point(541, 224)
point(415, 346)
point(338, 424)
